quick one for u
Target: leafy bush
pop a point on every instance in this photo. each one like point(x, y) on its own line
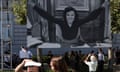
point(45, 59)
point(115, 15)
point(19, 10)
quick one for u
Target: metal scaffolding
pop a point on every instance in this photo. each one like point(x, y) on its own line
point(5, 35)
point(1, 37)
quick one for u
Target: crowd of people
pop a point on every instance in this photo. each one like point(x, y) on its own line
point(75, 60)
point(94, 61)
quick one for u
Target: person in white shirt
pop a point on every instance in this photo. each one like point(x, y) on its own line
point(24, 53)
point(93, 63)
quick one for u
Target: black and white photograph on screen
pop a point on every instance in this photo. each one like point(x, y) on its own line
point(68, 23)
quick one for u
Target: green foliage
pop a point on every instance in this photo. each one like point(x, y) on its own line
point(7, 71)
point(19, 10)
point(34, 58)
point(45, 59)
point(115, 16)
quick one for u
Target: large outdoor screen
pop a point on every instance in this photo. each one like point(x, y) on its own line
point(68, 23)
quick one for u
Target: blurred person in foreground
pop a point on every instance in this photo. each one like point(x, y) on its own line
point(28, 65)
point(58, 64)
